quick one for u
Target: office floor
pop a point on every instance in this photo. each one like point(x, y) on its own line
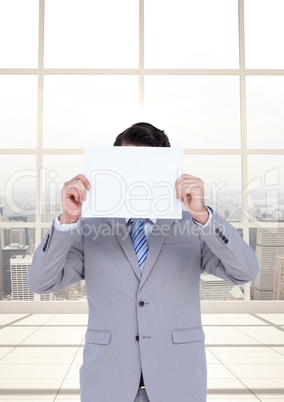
point(40, 356)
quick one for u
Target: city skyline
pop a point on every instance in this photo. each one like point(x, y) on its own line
point(260, 207)
point(18, 246)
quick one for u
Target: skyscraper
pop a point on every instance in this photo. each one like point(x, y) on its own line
point(213, 288)
point(18, 235)
point(1, 245)
point(7, 253)
point(13, 241)
point(268, 245)
point(278, 291)
point(19, 266)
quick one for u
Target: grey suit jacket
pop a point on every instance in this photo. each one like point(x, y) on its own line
point(150, 323)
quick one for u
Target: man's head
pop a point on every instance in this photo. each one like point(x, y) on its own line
point(142, 134)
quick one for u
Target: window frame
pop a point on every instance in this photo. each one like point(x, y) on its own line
point(142, 72)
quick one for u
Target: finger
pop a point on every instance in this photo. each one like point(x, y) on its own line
point(83, 179)
point(185, 176)
point(183, 180)
point(192, 189)
point(73, 192)
point(178, 184)
point(79, 186)
point(81, 190)
point(183, 185)
point(178, 180)
point(187, 191)
point(189, 188)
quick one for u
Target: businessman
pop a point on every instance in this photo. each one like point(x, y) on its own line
point(144, 340)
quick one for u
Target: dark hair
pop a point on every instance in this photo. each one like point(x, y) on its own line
point(143, 134)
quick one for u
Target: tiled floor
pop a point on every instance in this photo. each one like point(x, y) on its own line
point(40, 356)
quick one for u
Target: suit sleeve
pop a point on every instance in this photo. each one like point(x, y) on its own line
point(225, 254)
point(57, 262)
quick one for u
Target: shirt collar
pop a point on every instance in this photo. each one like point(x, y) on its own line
point(153, 220)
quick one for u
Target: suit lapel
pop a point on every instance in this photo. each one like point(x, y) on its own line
point(122, 233)
point(160, 231)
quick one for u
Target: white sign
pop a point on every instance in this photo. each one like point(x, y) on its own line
point(132, 182)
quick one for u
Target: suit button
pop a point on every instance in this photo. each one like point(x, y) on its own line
point(137, 338)
point(141, 303)
point(217, 231)
point(226, 241)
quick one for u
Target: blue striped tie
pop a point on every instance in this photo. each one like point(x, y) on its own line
point(139, 241)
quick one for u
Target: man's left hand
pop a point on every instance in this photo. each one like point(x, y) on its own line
point(190, 191)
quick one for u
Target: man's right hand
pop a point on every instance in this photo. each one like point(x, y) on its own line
point(73, 194)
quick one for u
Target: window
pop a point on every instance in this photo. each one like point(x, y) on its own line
point(75, 73)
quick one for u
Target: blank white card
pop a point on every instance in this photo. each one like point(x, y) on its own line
point(132, 182)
